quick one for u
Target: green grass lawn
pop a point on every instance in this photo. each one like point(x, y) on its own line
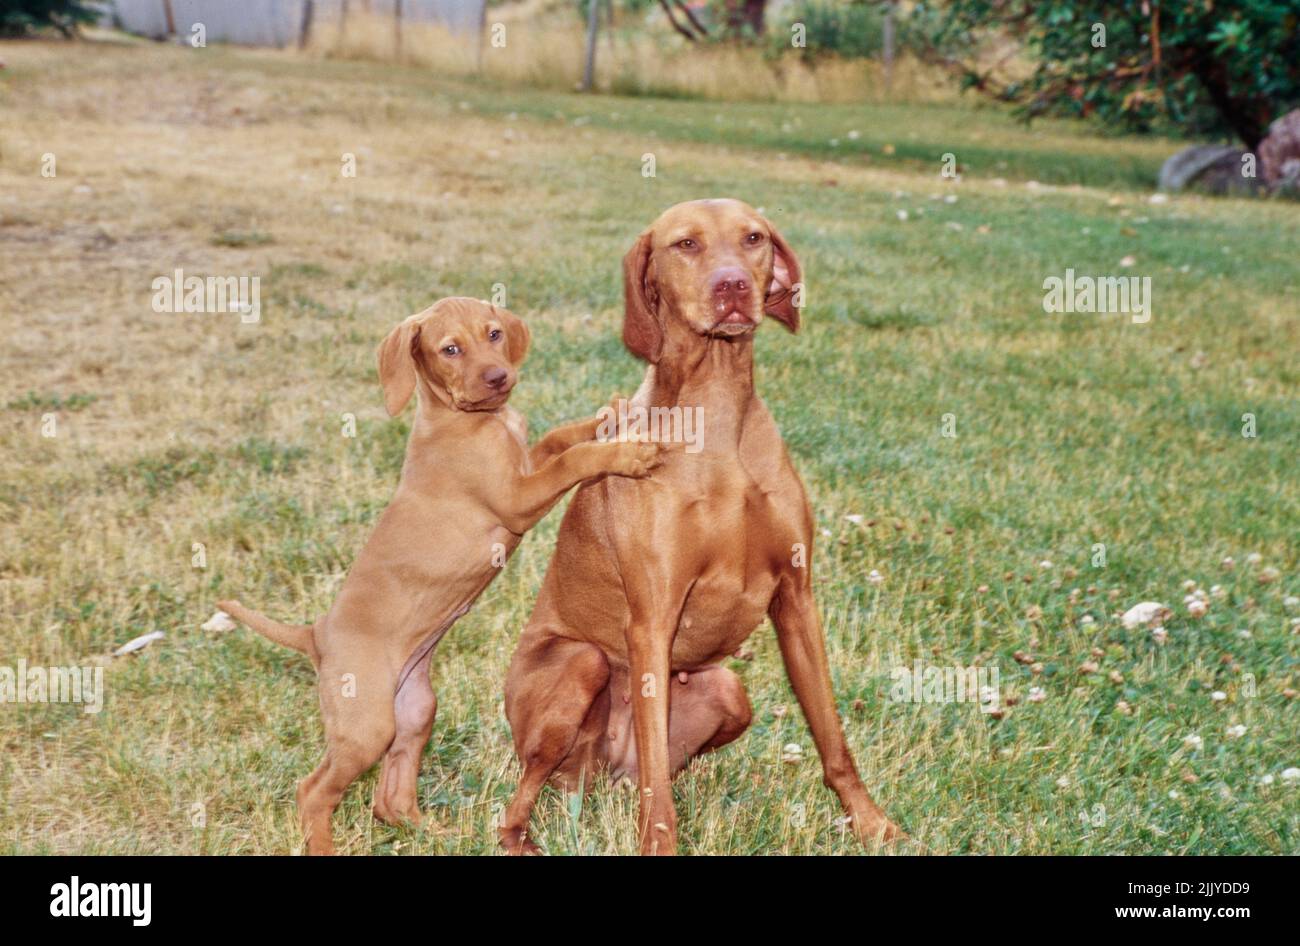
point(1072, 432)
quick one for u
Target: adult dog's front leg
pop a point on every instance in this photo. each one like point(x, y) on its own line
point(803, 648)
point(650, 643)
point(531, 497)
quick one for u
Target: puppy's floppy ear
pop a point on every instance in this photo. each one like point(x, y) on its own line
point(397, 365)
point(518, 337)
point(787, 279)
point(642, 333)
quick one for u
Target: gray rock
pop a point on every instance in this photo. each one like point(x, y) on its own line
point(1212, 168)
point(1279, 153)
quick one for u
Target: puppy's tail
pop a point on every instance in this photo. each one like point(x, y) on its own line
point(297, 636)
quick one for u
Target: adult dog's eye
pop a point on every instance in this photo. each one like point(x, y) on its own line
point(754, 238)
point(687, 244)
point(494, 335)
point(451, 351)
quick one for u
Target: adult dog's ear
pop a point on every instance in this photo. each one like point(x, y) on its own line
point(397, 365)
point(518, 337)
point(787, 283)
point(642, 332)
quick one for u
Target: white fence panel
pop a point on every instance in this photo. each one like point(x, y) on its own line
point(279, 22)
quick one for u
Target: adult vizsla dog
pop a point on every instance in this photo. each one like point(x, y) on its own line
point(655, 581)
point(470, 488)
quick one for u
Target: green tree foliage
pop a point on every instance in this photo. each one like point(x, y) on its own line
point(1206, 66)
point(22, 17)
point(852, 29)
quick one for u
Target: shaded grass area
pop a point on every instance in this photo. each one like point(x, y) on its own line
point(984, 139)
point(1072, 431)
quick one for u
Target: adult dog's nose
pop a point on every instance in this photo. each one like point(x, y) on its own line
point(729, 289)
point(495, 377)
point(731, 281)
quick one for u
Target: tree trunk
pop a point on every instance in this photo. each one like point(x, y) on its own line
point(1248, 119)
point(887, 53)
point(593, 30)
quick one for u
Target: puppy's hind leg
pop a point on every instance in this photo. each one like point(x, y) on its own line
point(357, 708)
point(414, 708)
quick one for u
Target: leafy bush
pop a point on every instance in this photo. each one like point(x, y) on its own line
point(852, 30)
point(1220, 68)
point(22, 17)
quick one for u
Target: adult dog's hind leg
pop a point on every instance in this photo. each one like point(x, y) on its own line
point(706, 711)
point(551, 690)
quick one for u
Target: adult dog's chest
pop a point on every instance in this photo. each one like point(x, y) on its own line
point(728, 550)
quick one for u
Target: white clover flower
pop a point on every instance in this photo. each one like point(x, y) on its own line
point(1218, 696)
point(1236, 732)
point(1291, 775)
point(1193, 741)
point(1146, 612)
point(1037, 694)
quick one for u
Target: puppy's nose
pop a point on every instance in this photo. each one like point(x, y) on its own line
point(495, 377)
point(730, 281)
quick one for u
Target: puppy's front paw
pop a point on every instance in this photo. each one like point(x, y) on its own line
point(635, 459)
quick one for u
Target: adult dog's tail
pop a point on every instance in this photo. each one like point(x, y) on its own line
point(297, 636)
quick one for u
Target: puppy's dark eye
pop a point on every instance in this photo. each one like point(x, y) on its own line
point(754, 238)
point(494, 335)
point(451, 351)
point(687, 244)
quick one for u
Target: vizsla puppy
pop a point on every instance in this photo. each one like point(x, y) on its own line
point(470, 489)
point(655, 582)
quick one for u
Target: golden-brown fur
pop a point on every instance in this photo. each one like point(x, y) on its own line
point(470, 488)
point(655, 581)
